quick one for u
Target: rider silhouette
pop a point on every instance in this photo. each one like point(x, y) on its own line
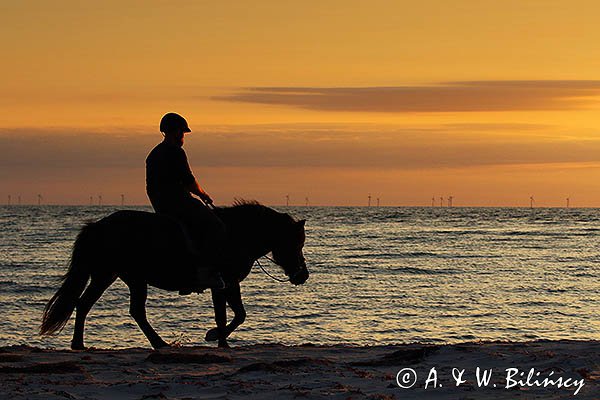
point(170, 184)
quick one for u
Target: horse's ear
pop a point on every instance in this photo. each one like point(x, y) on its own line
point(302, 222)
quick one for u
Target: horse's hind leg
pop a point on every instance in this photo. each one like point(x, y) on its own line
point(85, 303)
point(220, 306)
point(138, 293)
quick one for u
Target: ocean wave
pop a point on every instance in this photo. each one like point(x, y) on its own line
point(480, 273)
point(8, 284)
point(424, 271)
point(418, 254)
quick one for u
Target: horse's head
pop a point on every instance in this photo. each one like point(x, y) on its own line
point(287, 252)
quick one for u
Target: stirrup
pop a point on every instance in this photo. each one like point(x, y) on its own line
point(218, 283)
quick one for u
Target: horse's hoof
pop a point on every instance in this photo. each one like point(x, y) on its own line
point(161, 345)
point(212, 335)
point(78, 346)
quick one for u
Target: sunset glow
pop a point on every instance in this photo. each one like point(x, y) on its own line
point(488, 102)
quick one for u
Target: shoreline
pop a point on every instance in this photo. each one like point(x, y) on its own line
point(276, 371)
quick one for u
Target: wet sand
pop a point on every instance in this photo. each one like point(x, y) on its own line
point(308, 371)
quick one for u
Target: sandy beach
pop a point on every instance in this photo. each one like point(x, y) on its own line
point(273, 371)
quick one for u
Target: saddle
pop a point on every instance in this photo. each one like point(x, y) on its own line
point(202, 277)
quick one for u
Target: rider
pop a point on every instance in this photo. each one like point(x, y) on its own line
point(170, 184)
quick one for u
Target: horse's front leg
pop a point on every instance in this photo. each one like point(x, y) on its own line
point(233, 297)
point(220, 306)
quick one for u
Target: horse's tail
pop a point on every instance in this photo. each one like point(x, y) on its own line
point(62, 304)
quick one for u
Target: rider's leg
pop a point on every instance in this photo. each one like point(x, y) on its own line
point(207, 234)
point(200, 273)
point(206, 230)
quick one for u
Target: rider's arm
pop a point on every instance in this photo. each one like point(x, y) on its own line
point(195, 188)
point(189, 181)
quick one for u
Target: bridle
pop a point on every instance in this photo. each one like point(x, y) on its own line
point(273, 277)
point(268, 274)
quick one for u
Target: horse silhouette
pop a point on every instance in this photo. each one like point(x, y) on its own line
point(143, 248)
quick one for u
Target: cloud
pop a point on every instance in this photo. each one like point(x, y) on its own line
point(465, 96)
point(303, 146)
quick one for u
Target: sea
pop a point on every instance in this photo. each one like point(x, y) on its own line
point(378, 275)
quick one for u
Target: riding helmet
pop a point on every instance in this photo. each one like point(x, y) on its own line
point(173, 122)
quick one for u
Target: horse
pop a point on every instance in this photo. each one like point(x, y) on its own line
point(144, 248)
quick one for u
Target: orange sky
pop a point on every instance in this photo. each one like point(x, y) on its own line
point(490, 102)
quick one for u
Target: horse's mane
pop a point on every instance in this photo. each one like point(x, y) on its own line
point(252, 207)
point(245, 202)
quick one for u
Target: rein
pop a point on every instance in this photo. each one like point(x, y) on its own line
point(268, 274)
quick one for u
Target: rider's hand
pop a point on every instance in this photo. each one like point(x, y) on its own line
point(206, 198)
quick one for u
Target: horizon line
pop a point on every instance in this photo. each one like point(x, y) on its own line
point(305, 206)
